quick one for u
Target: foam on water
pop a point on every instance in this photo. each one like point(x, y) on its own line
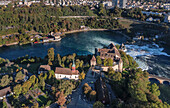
point(142, 64)
point(98, 42)
point(146, 51)
point(135, 50)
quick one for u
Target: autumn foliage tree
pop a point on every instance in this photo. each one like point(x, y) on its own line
point(60, 98)
point(82, 75)
point(92, 95)
point(50, 56)
point(26, 86)
point(87, 89)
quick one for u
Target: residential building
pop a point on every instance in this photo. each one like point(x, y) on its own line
point(151, 13)
point(107, 3)
point(44, 69)
point(167, 18)
point(4, 2)
point(122, 3)
point(5, 92)
point(167, 6)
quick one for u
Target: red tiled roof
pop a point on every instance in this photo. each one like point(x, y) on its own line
point(66, 71)
point(4, 91)
point(93, 58)
point(103, 50)
point(45, 67)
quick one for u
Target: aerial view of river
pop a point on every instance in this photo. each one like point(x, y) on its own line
point(149, 57)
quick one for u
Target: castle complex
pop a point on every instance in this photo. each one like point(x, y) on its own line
point(110, 52)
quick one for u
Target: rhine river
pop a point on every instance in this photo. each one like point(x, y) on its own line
point(150, 57)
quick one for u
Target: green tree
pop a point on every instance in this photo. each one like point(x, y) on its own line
point(117, 76)
point(154, 89)
point(111, 72)
point(5, 81)
point(35, 105)
point(105, 62)
point(109, 62)
point(19, 76)
point(32, 79)
point(102, 10)
point(42, 83)
point(4, 104)
point(138, 85)
point(64, 59)
point(99, 61)
point(17, 90)
point(117, 46)
point(26, 86)
point(66, 87)
point(50, 56)
point(58, 59)
point(98, 104)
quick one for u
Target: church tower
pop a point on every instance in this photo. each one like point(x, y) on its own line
point(73, 67)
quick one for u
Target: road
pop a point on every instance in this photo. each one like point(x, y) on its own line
point(111, 93)
point(77, 16)
point(77, 101)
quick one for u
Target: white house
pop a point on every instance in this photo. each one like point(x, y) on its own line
point(66, 73)
point(107, 3)
point(167, 18)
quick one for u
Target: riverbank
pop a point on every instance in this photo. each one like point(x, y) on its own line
point(85, 30)
point(100, 29)
point(14, 43)
point(71, 32)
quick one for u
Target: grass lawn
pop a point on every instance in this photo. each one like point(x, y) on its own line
point(126, 22)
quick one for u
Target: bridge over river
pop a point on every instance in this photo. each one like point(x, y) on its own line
point(162, 80)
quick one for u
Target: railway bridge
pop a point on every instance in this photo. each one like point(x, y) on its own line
point(162, 80)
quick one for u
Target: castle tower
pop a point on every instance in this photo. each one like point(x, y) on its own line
point(93, 61)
